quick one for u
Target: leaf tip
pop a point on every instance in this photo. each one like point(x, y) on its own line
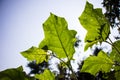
point(51, 13)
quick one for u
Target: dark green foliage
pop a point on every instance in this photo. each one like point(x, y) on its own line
point(96, 51)
point(14, 74)
point(37, 68)
point(112, 11)
point(77, 42)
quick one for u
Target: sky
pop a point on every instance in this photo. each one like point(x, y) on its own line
point(21, 25)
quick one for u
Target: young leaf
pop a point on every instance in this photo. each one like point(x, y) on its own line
point(58, 38)
point(94, 64)
point(14, 74)
point(47, 75)
point(35, 54)
point(115, 54)
point(96, 25)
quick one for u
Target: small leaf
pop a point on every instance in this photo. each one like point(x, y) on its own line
point(47, 75)
point(94, 64)
point(96, 25)
point(35, 54)
point(14, 74)
point(115, 54)
point(58, 38)
point(89, 44)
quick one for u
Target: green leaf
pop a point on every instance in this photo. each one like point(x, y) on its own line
point(58, 38)
point(90, 44)
point(96, 25)
point(115, 54)
point(117, 72)
point(47, 75)
point(94, 64)
point(14, 74)
point(37, 54)
point(117, 75)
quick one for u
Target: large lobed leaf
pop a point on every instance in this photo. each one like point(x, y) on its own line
point(94, 64)
point(58, 38)
point(37, 54)
point(14, 74)
point(47, 75)
point(96, 25)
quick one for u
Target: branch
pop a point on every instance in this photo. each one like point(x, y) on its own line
point(112, 44)
point(69, 66)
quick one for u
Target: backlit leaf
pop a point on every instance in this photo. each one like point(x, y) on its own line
point(14, 74)
point(47, 75)
point(94, 64)
point(58, 38)
point(96, 25)
point(34, 53)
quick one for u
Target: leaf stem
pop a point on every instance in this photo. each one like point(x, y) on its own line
point(69, 66)
point(112, 44)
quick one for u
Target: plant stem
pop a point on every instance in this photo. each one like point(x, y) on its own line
point(69, 66)
point(112, 44)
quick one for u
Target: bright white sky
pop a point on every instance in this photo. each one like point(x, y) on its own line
point(21, 25)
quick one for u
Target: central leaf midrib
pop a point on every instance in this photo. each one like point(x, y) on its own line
point(60, 40)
